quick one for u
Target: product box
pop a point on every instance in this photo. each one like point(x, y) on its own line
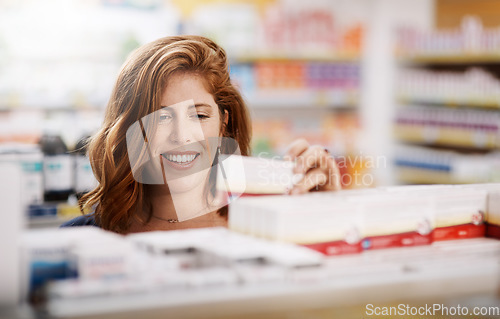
point(45, 256)
point(395, 221)
point(459, 212)
point(218, 246)
point(492, 209)
point(320, 221)
point(250, 176)
point(78, 252)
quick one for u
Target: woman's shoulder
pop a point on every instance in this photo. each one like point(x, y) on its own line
point(84, 220)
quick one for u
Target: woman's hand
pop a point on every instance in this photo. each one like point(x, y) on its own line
point(314, 167)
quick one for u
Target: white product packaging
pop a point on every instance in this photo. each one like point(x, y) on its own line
point(10, 233)
point(322, 221)
point(492, 206)
point(254, 175)
point(30, 159)
point(86, 253)
point(84, 177)
point(395, 221)
point(459, 211)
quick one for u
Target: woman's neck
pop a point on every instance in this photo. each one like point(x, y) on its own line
point(174, 212)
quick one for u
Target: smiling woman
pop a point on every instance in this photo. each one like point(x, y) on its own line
point(155, 155)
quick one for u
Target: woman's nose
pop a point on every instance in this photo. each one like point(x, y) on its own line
point(184, 131)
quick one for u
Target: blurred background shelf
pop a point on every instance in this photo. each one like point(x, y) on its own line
point(47, 221)
point(452, 103)
point(448, 92)
point(457, 138)
point(312, 56)
point(454, 58)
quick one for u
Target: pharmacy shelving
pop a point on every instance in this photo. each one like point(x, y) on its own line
point(448, 101)
point(446, 272)
point(450, 59)
point(297, 56)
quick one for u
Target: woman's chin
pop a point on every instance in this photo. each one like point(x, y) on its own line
point(188, 183)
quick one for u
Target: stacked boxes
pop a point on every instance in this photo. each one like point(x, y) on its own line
point(352, 221)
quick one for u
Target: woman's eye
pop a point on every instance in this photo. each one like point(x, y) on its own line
point(201, 116)
point(164, 117)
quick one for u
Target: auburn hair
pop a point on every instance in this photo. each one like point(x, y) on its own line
point(118, 197)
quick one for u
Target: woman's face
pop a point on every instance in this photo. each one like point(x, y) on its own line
point(188, 120)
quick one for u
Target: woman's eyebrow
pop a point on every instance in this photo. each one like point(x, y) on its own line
point(201, 104)
point(193, 105)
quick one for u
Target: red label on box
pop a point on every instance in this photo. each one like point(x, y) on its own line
point(396, 240)
point(459, 232)
point(493, 231)
point(336, 248)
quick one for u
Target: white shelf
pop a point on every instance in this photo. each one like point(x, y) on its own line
point(296, 99)
point(308, 56)
point(442, 270)
point(46, 221)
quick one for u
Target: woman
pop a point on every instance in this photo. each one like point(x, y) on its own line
point(174, 95)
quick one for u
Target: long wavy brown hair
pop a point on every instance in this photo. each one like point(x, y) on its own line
point(137, 92)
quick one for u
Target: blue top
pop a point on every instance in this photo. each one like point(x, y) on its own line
point(84, 220)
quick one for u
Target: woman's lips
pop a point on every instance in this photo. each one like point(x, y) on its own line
point(181, 160)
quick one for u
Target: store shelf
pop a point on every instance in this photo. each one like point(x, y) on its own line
point(47, 221)
point(46, 109)
point(417, 164)
point(297, 56)
point(415, 175)
point(470, 103)
point(476, 58)
point(441, 271)
point(446, 137)
point(310, 99)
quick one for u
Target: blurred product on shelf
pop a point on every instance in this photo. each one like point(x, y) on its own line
point(30, 158)
point(470, 41)
point(289, 84)
point(47, 194)
point(58, 168)
point(103, 262)
point(475, 87)
point(420, 165)
point(433, 125)
point(84, 176)
point(280, 28)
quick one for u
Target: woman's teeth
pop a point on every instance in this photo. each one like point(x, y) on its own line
point(180, 158)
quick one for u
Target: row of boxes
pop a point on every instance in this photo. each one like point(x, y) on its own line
point(470, 38)
point(296, 75)
point(446, 126)
point(358, 220)
point(474, 87)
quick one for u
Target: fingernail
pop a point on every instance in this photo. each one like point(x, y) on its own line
point(295, 191)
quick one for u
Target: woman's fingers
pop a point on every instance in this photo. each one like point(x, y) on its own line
point(314, 156)
point(313, 178)
point(314, 168)
point(297, 147)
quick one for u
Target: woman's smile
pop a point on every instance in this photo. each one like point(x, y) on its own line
point(181, 160)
